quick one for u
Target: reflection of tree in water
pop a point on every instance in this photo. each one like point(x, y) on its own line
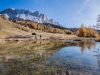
point(84, 45)
point(30, 58)
point(87, 45)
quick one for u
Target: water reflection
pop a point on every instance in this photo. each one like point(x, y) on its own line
point(49, 58)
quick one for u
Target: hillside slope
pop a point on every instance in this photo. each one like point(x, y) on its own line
point(10, 29)
point(50, 28)
point(20, 29)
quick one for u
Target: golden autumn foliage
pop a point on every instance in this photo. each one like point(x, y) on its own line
point(43, 27)
point(87, 32)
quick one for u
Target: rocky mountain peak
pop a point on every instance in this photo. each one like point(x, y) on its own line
point(22, 14)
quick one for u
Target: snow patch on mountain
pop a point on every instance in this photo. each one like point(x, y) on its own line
point(22, 14)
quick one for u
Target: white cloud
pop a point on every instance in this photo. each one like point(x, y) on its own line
point(88, 12)
point(86, 2)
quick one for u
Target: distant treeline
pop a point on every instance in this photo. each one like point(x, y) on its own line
point(46, 27)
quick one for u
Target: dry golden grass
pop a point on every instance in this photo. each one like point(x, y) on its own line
point(8, 28)
point(11, 29)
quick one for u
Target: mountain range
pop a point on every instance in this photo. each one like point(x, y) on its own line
point(22, 14)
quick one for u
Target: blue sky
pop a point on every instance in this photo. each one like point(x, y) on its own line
point(69, 13)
